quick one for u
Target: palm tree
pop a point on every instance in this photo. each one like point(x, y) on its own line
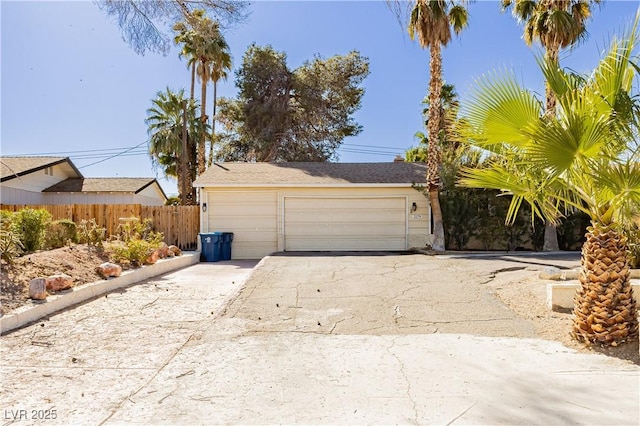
point(220, 65)
point(431, 22)
point(556, 24)
point(200, 37)
point(165, 127)
point(583, 157)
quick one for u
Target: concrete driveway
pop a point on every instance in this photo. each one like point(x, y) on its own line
point(405, 339)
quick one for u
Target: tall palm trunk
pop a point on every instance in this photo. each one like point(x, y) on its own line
point(550, 229)
point(193, 80)
point(203, 99)
point(433, 151)
point(605, 311)
point(213, 123)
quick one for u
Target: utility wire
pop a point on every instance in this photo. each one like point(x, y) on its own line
point(113, 156)
point(105, 154)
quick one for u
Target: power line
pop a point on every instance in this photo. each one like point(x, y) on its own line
point(105, 154)
point(113, 156)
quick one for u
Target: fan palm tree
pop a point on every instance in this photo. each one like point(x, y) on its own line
point(201, 39)
point(583, 157)
point(220, 66)
point(556, 24)
point(165, 128)
point(431, 22)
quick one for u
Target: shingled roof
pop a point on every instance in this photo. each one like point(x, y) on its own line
point(301, 174)
point(13, 167)
point(129, 185)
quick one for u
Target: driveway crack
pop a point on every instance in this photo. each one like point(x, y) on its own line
point(406, 378)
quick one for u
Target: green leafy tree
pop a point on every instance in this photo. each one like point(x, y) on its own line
point(556, 25)
point(584, 157)
point(165, 126)
point(284, 115)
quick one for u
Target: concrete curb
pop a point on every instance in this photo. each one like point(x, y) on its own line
point(37, 310)
point(560, 295)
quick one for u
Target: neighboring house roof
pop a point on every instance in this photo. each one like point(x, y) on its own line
point(131, 185)
point(13, 167)
point(312, 174)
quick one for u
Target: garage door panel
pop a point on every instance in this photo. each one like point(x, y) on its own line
point(251, 216)
point(345, 223)
point(363, 244)
point(348, 216)
point(346, 203)
point(319, 229)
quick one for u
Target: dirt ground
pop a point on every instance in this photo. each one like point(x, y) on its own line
point(76, 261)
point(526, 295)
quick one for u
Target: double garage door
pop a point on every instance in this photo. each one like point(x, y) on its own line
point(334, 224)
point(308, 223)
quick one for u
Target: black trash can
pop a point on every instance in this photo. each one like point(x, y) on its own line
point(211, 246)
point(225, 250)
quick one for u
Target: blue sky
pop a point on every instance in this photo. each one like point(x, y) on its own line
point(71, 84)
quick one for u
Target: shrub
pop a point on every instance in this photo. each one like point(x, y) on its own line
point(10, 246)
point(91, 234)
point(32, 224)
point(134, 251)
point(134, 229)
point(7, 220)
point(60, 233)
point(633, 245)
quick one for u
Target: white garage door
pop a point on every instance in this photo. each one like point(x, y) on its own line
point(251, 216)
point(333, 224)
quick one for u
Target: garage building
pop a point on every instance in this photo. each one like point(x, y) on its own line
point(273, 207)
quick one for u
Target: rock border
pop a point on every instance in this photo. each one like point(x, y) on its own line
point(39, 309)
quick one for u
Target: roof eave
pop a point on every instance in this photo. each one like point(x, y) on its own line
point(44, 166)
point(307, 185)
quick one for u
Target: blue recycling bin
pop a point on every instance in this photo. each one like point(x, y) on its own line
point(225, 250)
point(211, 244)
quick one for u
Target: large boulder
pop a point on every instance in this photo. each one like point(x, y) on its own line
point(58, 282)
point(37, 289)
point(109, 269)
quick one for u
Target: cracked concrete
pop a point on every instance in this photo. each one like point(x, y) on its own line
point(312, 340)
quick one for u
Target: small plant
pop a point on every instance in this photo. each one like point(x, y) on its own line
point(32, 224)
point(633, 245)
point(134, 229)
point(60, 233)
point(134, 252)
point(10, 246)
point(91, 234)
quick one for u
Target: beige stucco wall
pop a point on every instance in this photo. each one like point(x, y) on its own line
point(417, 230)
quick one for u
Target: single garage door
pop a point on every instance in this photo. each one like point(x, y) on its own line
point(250, 215)
point(334, 224)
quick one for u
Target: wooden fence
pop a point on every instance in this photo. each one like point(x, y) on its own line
point(179, 224)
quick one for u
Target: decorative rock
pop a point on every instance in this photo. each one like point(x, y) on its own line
point(170, 254)
point(163, 251)
point(37, 289)
point(152, 258)
point(175, 250)
point(109, 269)
point(58, 282)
